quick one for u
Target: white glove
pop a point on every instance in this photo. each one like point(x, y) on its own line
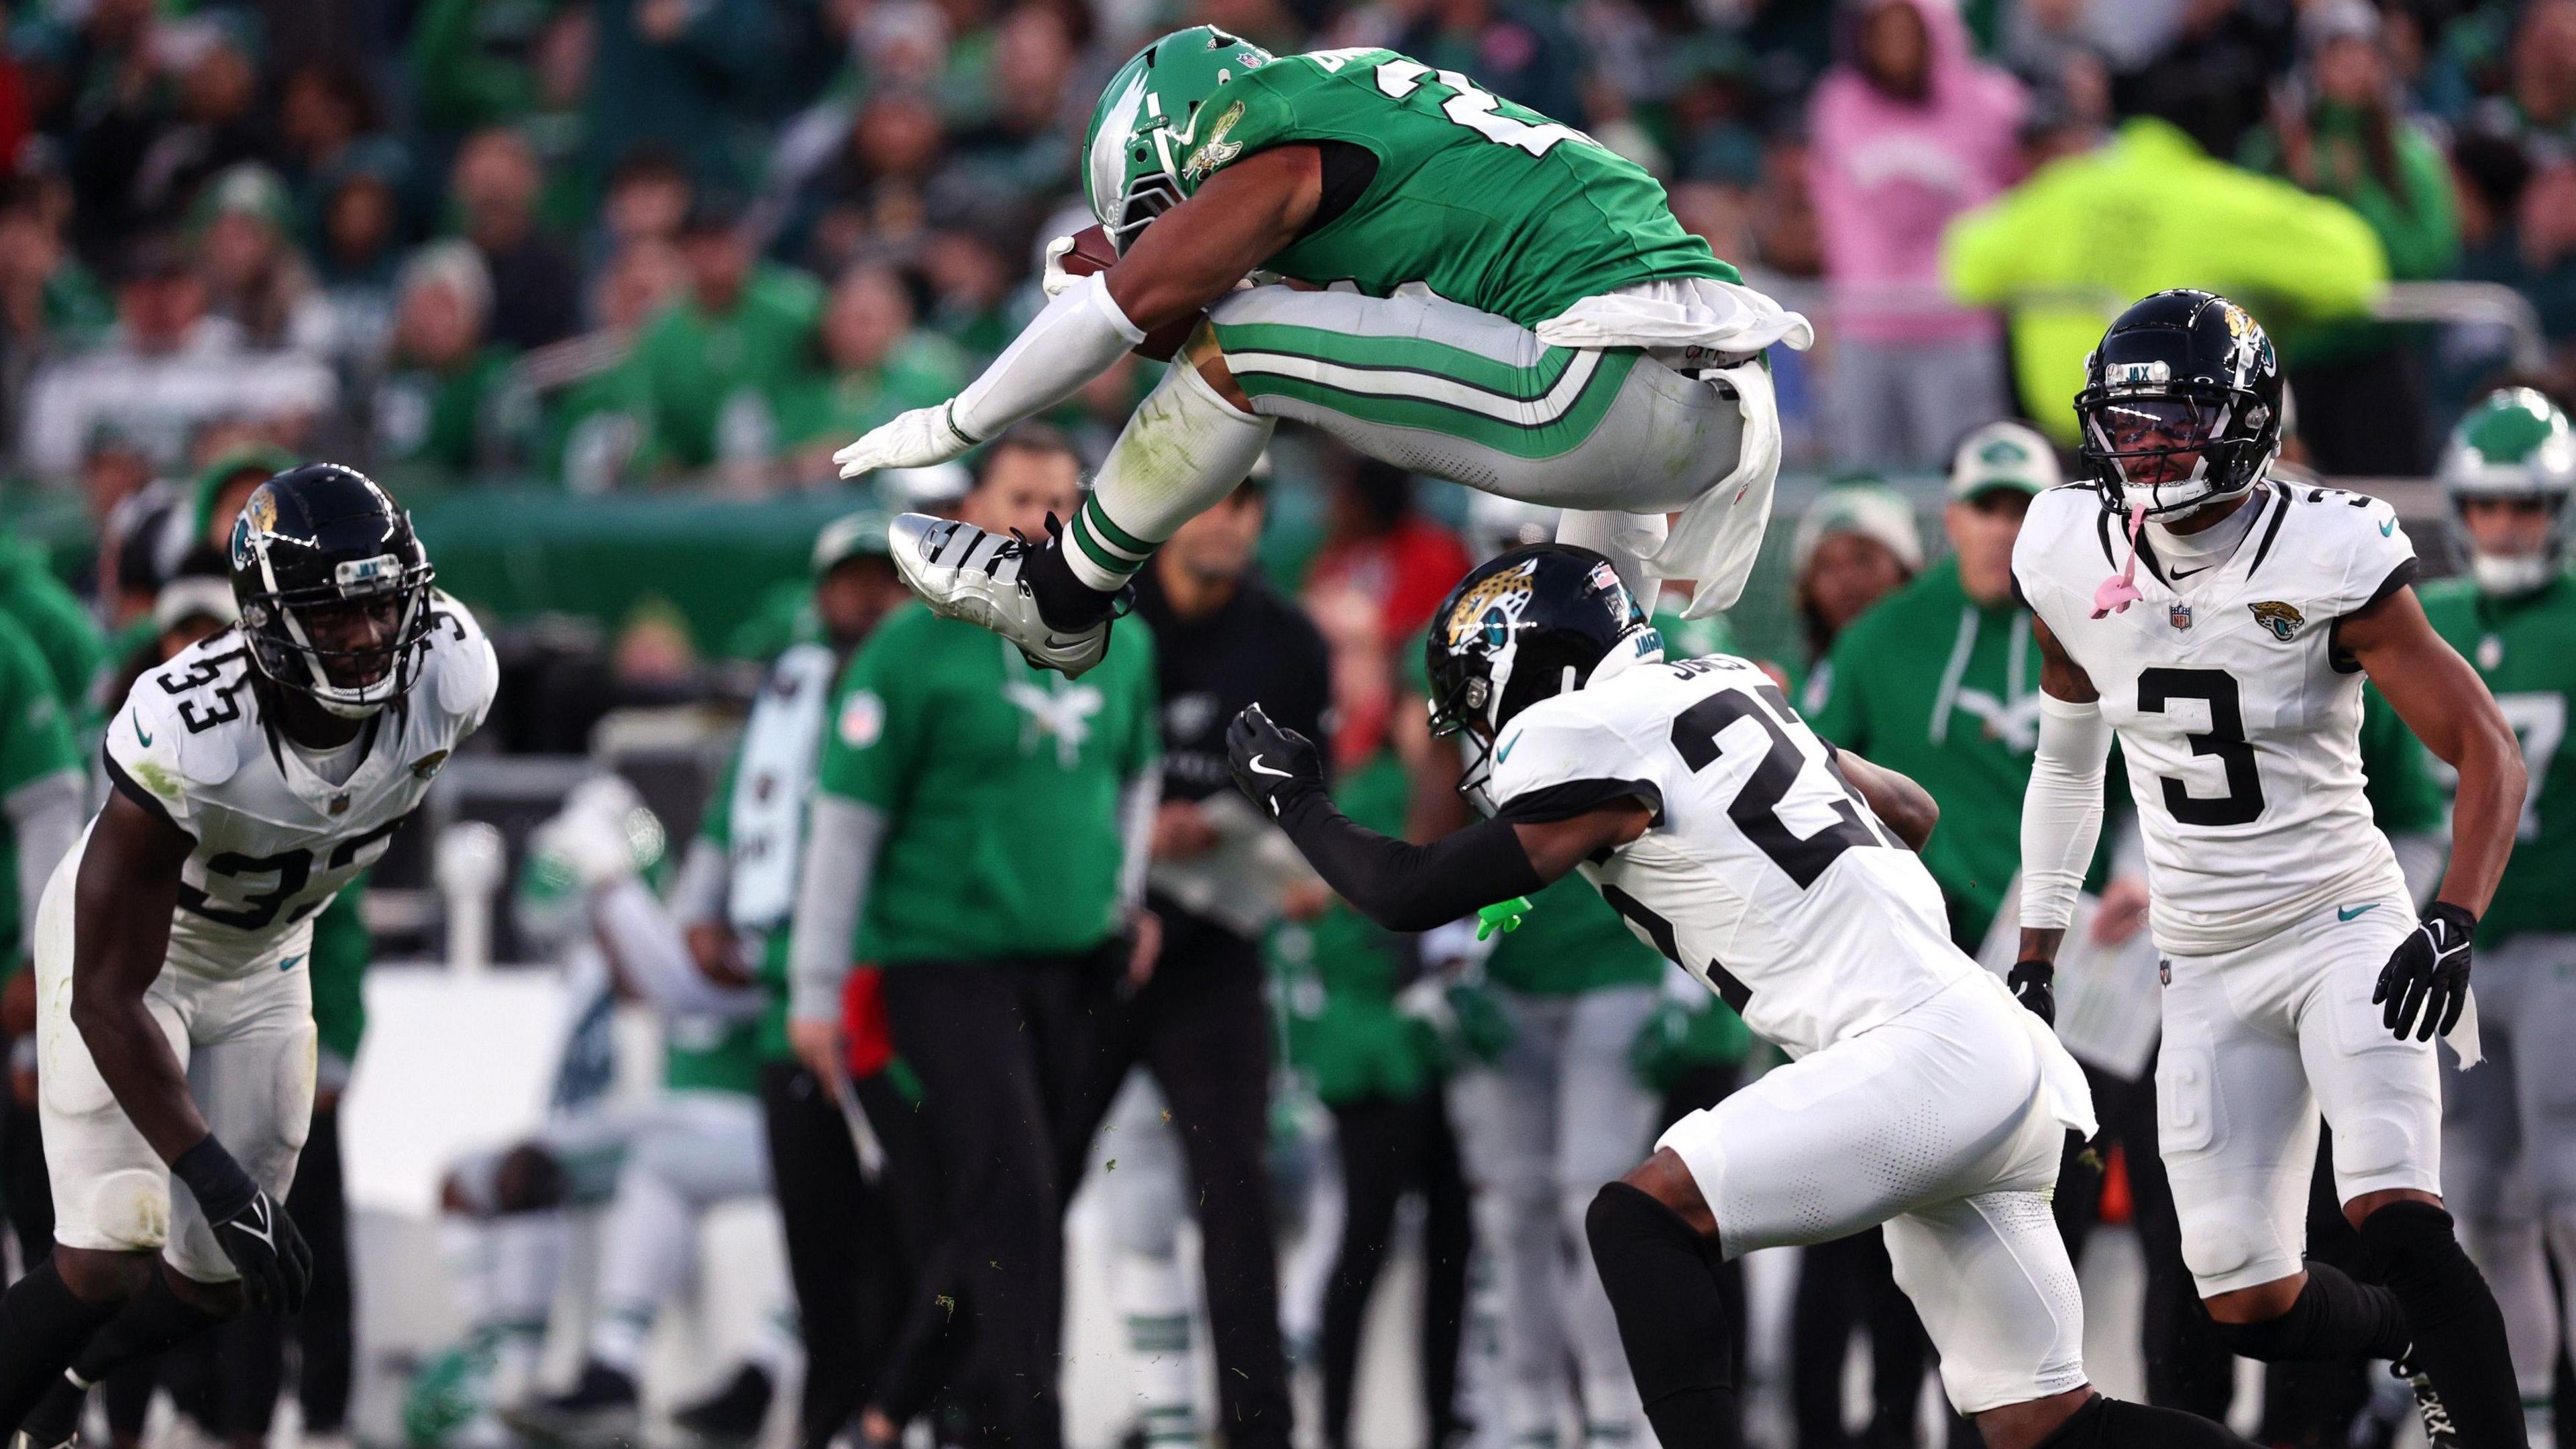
point(1055, 279)
point(916, 439)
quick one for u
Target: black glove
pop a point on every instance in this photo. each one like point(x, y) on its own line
point(2033, 985)
point(254, 1231)
point(1272, 765)
point(2428, 972)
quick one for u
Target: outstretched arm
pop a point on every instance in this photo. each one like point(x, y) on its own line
point(1401, 886)
point(2448, 707)
point(1191, 256)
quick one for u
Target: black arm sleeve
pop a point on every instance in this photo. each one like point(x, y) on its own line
point(1406, 887)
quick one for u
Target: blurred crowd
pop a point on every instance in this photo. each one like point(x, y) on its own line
point(601, 244)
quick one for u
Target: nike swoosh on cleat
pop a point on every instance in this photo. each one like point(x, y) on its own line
point(1259, 768)
point(2356, 912)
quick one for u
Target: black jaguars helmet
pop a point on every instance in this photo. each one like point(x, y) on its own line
point(1522, 627)
point(2181, 404)
point(333, 587)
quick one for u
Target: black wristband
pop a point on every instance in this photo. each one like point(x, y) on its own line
point(223, 1191)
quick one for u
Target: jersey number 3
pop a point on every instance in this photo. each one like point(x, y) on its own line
point(1756, 807)
point(2225, 738)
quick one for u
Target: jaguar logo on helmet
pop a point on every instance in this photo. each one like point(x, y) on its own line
point(2284, 620)
point(1485, 612)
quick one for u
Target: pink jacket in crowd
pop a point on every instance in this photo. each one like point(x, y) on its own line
point(1888, 173)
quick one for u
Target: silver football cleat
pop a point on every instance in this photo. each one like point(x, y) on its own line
point(962, 572)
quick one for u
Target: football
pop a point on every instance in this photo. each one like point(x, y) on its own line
point(1092, 252)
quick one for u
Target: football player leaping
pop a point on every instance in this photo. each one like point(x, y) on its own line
point(2227, 651)
point(1507, 304)
point(1779, 873)
point(254, 775)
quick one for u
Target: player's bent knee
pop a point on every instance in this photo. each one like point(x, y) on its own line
point(1666, 1179)
point(2259, 1303)
point(2367, 1205)
point(2231, 1245)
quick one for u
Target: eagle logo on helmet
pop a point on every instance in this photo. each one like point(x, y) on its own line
point(2284, 620)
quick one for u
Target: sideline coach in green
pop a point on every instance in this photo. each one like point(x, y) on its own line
point(984, 825)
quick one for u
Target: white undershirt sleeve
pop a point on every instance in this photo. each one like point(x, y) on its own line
point(1073, 340)
point(842, 838)
point(645, 940)
point(2061, 812)
point(698, 892)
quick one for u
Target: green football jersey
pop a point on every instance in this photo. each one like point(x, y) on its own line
point(35, 741)
point(1486, 202)
point(2525, 649)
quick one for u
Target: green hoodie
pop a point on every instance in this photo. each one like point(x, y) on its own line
point(2418, 224)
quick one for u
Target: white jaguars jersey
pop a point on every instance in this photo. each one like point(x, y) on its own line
point(2240, 722)
point(275, 841)
point(1764, 874)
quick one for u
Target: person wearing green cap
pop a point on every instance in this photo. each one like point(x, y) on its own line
point(733, 899)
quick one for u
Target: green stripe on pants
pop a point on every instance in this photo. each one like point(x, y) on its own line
point(1542, 437)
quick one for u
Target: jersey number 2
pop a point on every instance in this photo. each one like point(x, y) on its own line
point(1756, 807)
point(1474, 107)
point(2225, 738)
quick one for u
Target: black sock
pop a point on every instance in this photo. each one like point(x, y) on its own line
point(1065, 602)
point(2458, 1331)
point(156, 1320)
point(1662, 1282)
point(2333, 1318)
point(2108, 1423)
point(43, 1326)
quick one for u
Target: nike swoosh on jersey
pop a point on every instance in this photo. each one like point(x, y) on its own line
point(1505, 752)
point(2388, 529)
point(2182, 574)
point(288, 963)
point(1259, 768)
point(2356, 912)
point(146, 740)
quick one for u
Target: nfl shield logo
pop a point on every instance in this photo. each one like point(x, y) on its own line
point(2179, 615)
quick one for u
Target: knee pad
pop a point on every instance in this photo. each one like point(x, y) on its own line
point(2226, 1236)
point(2368, 1144)
point(528, 1179)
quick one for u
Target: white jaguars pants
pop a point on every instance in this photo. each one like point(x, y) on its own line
point(2256, 1042)
point(247, 1044)
point(1939, 1125)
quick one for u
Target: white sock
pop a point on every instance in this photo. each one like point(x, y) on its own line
point(1154, 1300)
point(1179, 455)
point(648, 1248)
point(1627, 539)
point(527, 1262)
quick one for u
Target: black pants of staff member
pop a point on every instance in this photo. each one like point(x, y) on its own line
point(1388, 1147)
point(2186, 1366)
point(1003, 1050)
point(1201, 1025)
point(851, 1243)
